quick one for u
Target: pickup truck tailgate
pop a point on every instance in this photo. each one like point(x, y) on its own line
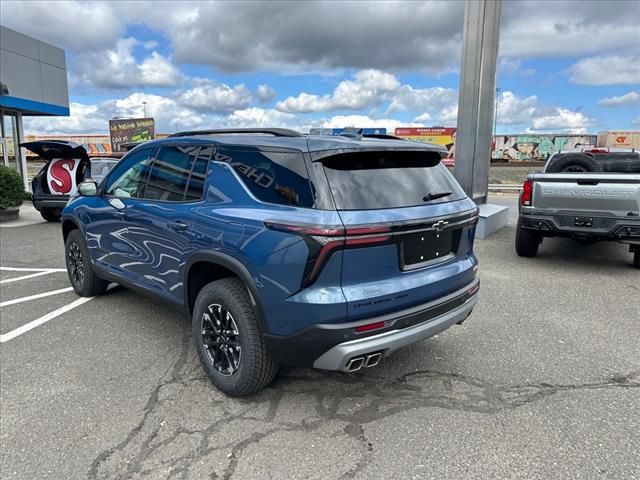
point(608, 194)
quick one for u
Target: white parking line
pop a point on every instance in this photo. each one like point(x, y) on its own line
point(36, 296)
point(44, 319)
point(25, 277)
point(25, 269)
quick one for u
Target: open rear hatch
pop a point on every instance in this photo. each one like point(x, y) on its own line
point(408, 229)
point(66, 164)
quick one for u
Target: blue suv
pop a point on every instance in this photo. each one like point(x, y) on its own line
point(283, 248)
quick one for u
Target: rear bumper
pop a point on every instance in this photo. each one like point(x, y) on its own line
point(50, 202)
point(622, 229)
point(330, 347)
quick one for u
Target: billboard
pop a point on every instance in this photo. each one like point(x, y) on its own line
point(130, 130)
point(445, 136)
point(334, 132)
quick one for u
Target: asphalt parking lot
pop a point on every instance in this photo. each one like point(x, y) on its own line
point(543, 381)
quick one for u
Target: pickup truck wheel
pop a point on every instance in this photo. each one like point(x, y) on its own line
point(229, 340)
point(81, 275)
point(636, 259)
point(50, 216)
point(527, 242)
point(573, 162)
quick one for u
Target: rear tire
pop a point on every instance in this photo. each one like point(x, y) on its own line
point(229, 339)
point(50, 216)
point(527, 242)
point(81, 275)
point(636, 258)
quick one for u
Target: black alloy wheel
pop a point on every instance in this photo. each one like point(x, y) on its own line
point(76, 265)
point(221, 339)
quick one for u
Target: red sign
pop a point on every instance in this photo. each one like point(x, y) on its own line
point(424, 131)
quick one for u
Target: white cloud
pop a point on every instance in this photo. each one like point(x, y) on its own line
point(368, 88)
point(76, 26)
point(561, 119)
point(607, 70)
point(150, 45)
point(514, 110)
point(208, 96)
point(425, 117)
point(118, 68)
point(635, 121)
point(407, 98)
point(265, 93)
point(342, 121)
point(449, 115)
point(510, 66)
point(259, 117)
point(631, 97)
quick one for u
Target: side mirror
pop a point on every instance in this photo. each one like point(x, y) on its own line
point(88, 189)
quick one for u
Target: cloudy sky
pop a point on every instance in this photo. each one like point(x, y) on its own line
point(565, 66)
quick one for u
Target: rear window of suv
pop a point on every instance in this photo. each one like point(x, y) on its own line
point(389, 179)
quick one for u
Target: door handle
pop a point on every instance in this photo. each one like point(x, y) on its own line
point(177, 226)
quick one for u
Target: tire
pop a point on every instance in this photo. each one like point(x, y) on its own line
point(573, 162)
point(243, 365)
point(636, 258)
point(50, 215)
point(81, 275)
point(527, 242)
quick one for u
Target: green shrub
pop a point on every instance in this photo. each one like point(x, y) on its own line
point(11, 188)
point(28, 196)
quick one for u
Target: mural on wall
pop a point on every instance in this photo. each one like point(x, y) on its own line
point(535, 147)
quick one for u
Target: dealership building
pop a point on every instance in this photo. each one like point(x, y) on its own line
point(33, 82)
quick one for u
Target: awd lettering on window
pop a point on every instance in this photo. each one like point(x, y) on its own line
point(259, 178)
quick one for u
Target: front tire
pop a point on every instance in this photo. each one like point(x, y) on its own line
point(229, 339)
point(50, 216)
point(81, 275)
point(636, 258)
point(527, 242)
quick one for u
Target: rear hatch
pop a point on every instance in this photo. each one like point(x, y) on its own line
point(607, 194)
point(409, 229)
point(65, 166)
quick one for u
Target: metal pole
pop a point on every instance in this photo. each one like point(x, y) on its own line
point(495, 114)
point(476, 98)
point(144, 106)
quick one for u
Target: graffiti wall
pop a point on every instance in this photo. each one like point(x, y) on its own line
point(535, 147)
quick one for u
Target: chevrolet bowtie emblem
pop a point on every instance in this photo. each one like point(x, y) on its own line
point(440, 225)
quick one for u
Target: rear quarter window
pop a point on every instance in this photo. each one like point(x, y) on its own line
point(278, 177)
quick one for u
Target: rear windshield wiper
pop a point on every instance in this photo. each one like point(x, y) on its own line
point(432, 196)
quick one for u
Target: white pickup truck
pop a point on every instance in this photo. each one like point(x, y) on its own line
point(588, 195)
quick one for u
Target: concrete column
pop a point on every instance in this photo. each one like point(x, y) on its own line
point(476, 98)
point(22, 153)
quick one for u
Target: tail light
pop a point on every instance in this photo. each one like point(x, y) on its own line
point(323, 241)
point(527, 192)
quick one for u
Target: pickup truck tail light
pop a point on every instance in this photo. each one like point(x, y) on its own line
point(527, 192)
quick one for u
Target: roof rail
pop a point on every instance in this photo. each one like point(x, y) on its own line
point(276, 132)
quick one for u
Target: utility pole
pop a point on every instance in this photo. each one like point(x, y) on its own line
point(144, 107)
point(495, 115)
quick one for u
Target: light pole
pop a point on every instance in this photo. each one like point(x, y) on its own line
point(144, 107)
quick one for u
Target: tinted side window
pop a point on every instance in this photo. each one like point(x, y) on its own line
point(273, 177)
point(195, 187)
point(128, 177)
point(170, 173)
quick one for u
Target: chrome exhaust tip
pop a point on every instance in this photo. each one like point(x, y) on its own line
point(354, 364)
point(372, 360)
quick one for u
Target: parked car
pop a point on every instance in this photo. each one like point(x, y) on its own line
point(66, 164)
point(314, 251)
point(589, 196)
